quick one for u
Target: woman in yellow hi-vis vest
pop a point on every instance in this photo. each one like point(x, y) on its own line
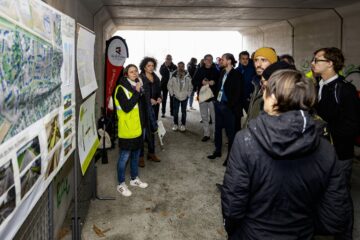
point(131, 116)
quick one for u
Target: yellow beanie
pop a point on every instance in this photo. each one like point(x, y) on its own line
point(267, 53)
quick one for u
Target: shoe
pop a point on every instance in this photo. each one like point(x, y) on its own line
point(123, 189)
point(163, 115)
point(191, 108)
point(175, 127)
point(138, 183)
point(141, 162)
point(201, 121)
point(205, 139)
point(214, 155)
point(182, 128)
point(153, 157)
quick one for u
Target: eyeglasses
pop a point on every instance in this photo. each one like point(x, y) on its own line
point(315, 60)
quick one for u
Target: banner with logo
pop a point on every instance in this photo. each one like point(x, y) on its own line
point(116, 54)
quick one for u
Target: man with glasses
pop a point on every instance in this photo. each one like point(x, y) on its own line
point(338, 104)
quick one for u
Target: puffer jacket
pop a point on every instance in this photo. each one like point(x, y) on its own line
point(282, 181)
point(175, 89)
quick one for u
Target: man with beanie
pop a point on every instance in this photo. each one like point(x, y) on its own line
point(263, 58)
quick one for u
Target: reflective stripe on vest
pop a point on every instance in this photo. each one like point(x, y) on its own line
point(129, 124)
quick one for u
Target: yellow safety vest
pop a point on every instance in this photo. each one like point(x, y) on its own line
point(129, 124)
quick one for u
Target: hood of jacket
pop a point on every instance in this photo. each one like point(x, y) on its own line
point(288, 135)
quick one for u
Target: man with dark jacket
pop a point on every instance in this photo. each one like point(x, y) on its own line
point(191, 68)
point(247, 70)
point(228, 104)
point(166, 69)
point(207, 76)
point(338, 104)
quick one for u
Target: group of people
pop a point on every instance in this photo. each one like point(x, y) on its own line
point(289, 160)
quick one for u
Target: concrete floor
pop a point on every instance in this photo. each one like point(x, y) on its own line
point(181, 201)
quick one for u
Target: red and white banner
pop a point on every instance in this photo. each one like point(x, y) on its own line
point(116, 54)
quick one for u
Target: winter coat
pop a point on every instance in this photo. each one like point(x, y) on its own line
point(127, 105)
point(152, 89)
point(191, 68)
point(175, 89)
point(282, 181)
point(166, 72)
point(233, 89)
point(340, 108)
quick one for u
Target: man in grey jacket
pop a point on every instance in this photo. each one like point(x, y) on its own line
point(180, 88)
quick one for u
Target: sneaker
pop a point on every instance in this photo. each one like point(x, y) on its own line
point(191, 108)
point(182, 128)
point(175, 127)
point(123, 189)
point(138, 183)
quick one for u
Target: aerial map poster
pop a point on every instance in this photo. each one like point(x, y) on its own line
point(37, 104)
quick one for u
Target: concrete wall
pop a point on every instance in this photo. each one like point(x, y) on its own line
point(310, 33)
point(104, 28)
point(276, 35)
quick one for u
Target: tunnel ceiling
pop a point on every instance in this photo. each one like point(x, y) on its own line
point(207, 15)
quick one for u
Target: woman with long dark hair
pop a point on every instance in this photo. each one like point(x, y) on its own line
point(152, 90)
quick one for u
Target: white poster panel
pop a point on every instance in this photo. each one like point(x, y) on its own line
point(88, 140)
point(37, 86)
point(85, 62)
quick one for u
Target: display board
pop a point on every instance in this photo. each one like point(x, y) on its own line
point(37, 104)
point(88, 140)
point(85, 61)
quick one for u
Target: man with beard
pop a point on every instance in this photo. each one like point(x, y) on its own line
point(263, 58)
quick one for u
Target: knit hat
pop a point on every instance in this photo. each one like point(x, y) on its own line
point(276, 66)
point(267, 53)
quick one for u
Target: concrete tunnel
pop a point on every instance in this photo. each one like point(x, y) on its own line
point(182, 201)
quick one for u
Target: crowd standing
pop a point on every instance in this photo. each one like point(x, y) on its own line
point(287, 173)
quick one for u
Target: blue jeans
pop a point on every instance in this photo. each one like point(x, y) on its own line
point(177, 105)
point(191, 99)
point(121, 166)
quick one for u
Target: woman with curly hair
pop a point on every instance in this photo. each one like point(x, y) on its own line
point(152, 92)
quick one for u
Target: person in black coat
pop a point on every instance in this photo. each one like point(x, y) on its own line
point(282, 179)
point(166, 69)
point(228, 104)
point(191, 68)
point(130, 99)
point(152, 93)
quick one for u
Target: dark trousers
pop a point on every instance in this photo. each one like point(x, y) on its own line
point(156, 109)
point(163, 103)
point(149, 138)
point(177, 105)
point(224, 118)
point(346, 166)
